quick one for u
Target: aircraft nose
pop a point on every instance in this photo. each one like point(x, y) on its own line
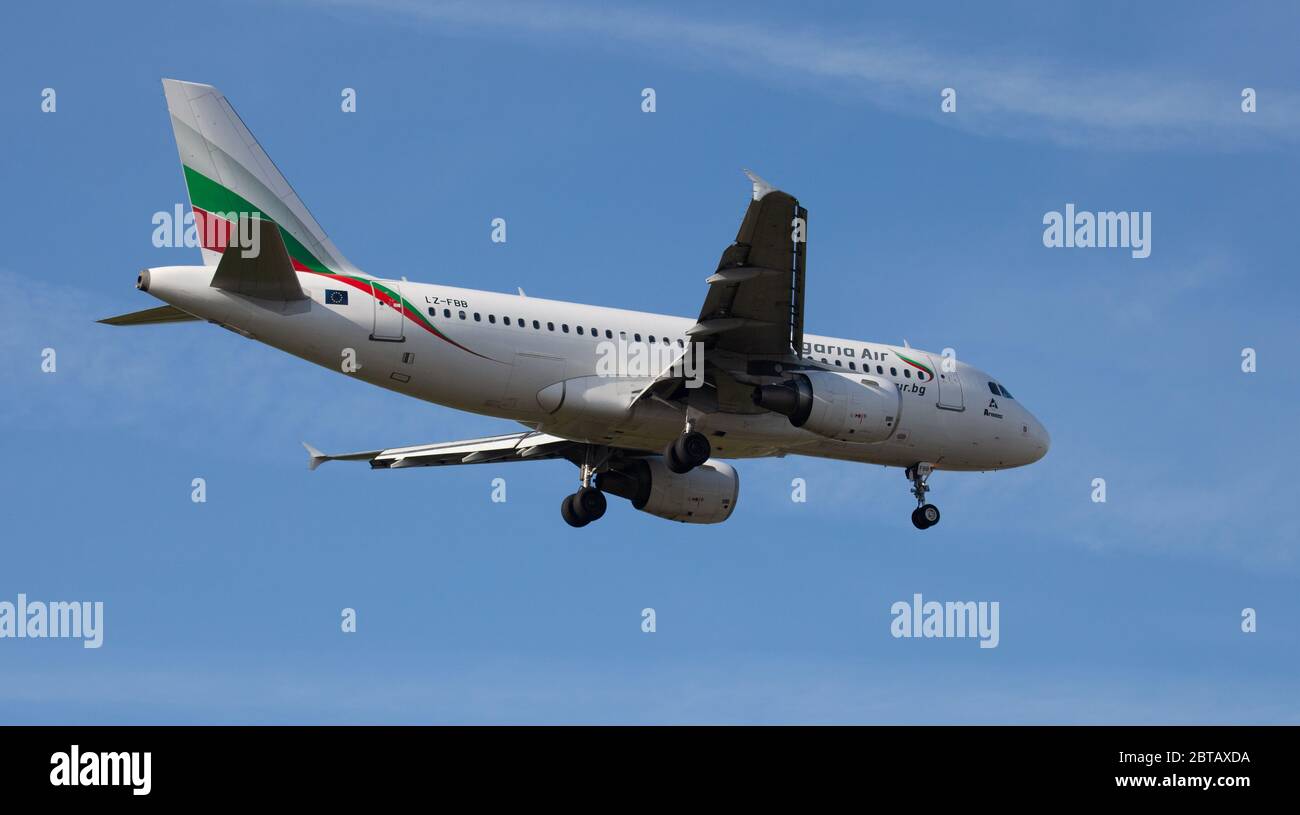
point(1039, 439)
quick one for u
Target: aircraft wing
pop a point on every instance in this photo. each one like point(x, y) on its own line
point(525, 446)
point(755, 300)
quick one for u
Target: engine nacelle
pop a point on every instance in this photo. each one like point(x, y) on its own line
point(842, 406)
point(705, 495)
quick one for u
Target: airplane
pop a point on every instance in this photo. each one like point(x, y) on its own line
point(742, 380)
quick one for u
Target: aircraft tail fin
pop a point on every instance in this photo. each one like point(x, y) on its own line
point(228, 174)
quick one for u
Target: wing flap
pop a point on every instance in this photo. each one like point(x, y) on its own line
point(510, 447)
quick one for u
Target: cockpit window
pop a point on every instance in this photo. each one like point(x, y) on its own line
point(1006, 392)
point(998, 390)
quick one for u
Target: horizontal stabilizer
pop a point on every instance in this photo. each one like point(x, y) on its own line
point(151, 316)
point(268, 276)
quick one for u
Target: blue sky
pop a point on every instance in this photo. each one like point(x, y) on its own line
point(923, 226)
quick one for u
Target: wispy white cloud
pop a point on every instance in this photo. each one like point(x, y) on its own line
point(174, 378)
point(1136, 107)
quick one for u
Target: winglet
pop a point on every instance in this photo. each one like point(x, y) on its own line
point(316, 457)
point(761, 187)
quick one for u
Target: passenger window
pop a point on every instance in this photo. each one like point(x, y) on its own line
point(609, 335)
point(637, 337)
point(492, 318)
point(681, 344)
point(652, 338)
point(879, 370)
point(893, 371)
point(477, 318)
point(550, 326)
point(839, 364)
point(522, 324)
point(579, 330)
point(564, 327)
point(446, 312)
point(907, 373)
point(853, 366)
point(462, 315)
point(433, 312)
point(505, 320)
point(537, 325)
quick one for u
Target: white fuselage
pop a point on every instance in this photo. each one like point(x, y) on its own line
point(459, 351)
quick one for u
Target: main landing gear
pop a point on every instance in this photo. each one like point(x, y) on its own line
point(687, 451)
point(925, 515)
point(587, 504)
point(583, 507)
point(683, 454)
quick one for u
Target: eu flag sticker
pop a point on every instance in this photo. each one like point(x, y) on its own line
point(336, 297)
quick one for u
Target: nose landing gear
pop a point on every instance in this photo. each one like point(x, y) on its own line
point(925, 515)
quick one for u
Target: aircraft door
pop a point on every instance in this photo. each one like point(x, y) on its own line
point(949, 384)
point(389, 323)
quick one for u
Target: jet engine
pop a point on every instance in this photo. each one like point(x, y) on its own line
point(842, 406)
point(705, 495)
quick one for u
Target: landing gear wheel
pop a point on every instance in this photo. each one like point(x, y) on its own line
point(589, 503)
point(930, 514)
point(687, 452)
point(584, 506)
point(672, 461)
point(694, 448)
point(925, 515)
point(570, 515)
point(917, 520)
